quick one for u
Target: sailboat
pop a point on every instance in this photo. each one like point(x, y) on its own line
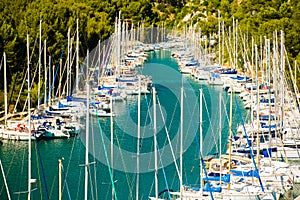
point(13, 130)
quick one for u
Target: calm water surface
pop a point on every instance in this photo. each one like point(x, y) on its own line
point(167, 81)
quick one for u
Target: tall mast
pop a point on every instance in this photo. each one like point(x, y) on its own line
point(99, 62)
point(60, 78)
point(257, 110)
point(119, 42)
point(181, 140)
point(112, 145)
point(45, 71)
point(236, 43)
point(5, 90)
point(138, 142)
point(40, 63)
point(50, 81)
point(70, 67)
point(68, 63)
point(77, 55)
point(233, 38)
point(53, 78)
point(201, 140)
point(59, 179)
point(269, 88)
point(87, 132)
point(223, 42)
point(220, 134)
point(282, 71)
point(230, 133)
point(155, 143)
point(219, 36)
point(29, 121)
point(275, 81)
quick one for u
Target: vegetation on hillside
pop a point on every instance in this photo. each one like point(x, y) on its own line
point(96, 22)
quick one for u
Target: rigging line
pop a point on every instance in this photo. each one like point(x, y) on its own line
point(80, 172)
point(168, 137)
point(52, 186)
point(70, 158)
point(164, 173)
point(250, 146)
point(210, 124)
point(105, 55)
point(148, 115)
point(91, 182)
point(65, 182)
point(39, 174)
point(31, 86)
point(19, 95)
point(57, 68)
point(151, 188)
point(191, 116)
point(106, 158)
point(95, 161)
point(14, 82)
point(42, 168)
point(9, 167)
point(130, 183)
point(203, 163)
point(32, 53)
point(4, 180)
point(22, 169)
point(60, 85)
point(1, 62)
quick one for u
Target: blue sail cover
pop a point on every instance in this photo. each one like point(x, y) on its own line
point(250, 173)
point(224, 178)
point(60, 105)
point(207, 188)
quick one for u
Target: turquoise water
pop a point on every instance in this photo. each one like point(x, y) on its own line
point(168, 82)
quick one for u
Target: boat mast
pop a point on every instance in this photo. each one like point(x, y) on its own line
point(70, 67)
point(87, 131)
point(29, 121)
point(53, 79)
point(138, 142)
point(223, 42)
point(219, 38)
point(233, 40)
point(257, 108)
point(269, 91)
point(181, 140)
point(230, 133)
point(59, 179)
point(201, 140)
point(118, 62)
point(5, 91)
point(220, 134)
point(77, 55)
point(68, 63)
point(40, 63)
point(282, 70)
point(275, 80)
point(112, 145)
point(50, 82)
point(155, 143)
point(45, 71)
point(99, 61)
